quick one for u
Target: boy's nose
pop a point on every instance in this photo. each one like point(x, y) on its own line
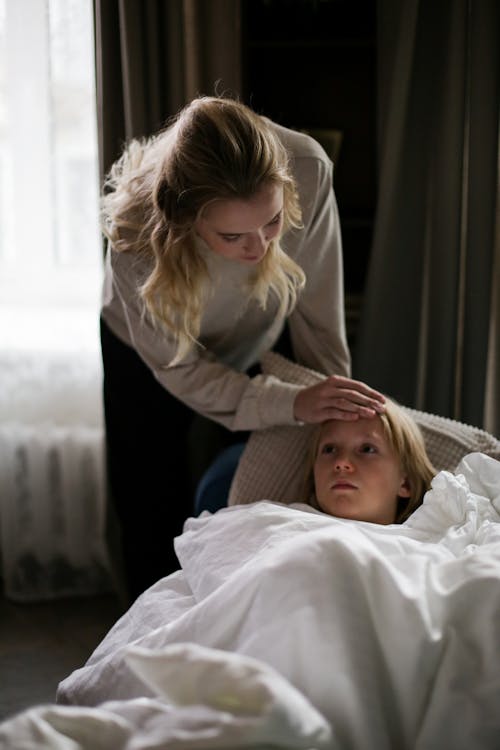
point(343, 463)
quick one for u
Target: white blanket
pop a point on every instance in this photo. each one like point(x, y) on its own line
point(204, 699)
point(387, 636)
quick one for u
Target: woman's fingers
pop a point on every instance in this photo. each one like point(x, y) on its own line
point(348, 395)
point(353, 391)
point(337, 397)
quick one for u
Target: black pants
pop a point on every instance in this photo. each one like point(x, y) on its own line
point(157, 450)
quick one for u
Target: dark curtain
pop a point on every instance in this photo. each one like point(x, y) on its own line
point(153, 56)
point(430, 329)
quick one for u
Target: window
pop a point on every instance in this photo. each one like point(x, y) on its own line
point(50, 247)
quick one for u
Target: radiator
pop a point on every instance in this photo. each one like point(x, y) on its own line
point(52, 477)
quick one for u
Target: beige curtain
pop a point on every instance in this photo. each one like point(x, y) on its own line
point(430, 328)
point(153, 56)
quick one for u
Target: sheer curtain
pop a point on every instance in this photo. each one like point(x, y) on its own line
point(52, 483)
point(430, 330)
point(148, 60)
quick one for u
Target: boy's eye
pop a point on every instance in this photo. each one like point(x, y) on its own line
point(367, 448)
point(327, 448)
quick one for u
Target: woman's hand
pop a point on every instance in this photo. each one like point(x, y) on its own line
point(337, 397)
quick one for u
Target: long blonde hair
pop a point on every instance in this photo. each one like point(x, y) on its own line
point(406, 440)
point(215, 148)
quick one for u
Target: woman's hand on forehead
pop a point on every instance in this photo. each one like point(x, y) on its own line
point(337, 397)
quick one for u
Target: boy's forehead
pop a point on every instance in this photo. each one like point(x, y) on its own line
point(365, 428)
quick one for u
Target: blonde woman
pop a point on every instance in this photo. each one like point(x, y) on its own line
point(374, 469)
point(222, 228)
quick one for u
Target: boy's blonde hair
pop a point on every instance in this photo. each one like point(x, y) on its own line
point(214, 149)
point(407, 441)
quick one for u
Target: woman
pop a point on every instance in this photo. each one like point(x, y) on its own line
point(221, 228)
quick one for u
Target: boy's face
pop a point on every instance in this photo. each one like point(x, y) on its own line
point(357, 474)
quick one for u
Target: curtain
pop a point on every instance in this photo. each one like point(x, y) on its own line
point(430, 327)
point(52, 474)
point(153, 56)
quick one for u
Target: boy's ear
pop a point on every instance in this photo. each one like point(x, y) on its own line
point(404, 488)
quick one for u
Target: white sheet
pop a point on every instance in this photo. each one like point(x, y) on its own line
point(391, 633)
point(204, 699)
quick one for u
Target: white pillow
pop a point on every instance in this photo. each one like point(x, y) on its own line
point(272, 465)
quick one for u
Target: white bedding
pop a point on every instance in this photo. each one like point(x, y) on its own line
point(364, 636)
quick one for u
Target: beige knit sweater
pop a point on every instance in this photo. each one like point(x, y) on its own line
point(235, 332)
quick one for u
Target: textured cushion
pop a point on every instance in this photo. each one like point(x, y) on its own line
point(273, 463)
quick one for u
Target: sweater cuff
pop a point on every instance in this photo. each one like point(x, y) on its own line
point(277, 401)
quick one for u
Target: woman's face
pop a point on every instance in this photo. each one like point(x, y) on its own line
point(357, 474)
point(242, 230)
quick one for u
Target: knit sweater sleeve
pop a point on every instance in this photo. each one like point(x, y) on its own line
point(200, 380)
point(317, 325)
